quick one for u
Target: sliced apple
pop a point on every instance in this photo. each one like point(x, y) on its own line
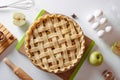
point(116, 48)
point(19, 19)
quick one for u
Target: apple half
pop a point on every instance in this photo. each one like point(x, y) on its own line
point(19, 19)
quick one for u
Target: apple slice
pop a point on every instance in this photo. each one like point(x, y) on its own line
point(19, 19)
point(96, 58)
point(116, 48)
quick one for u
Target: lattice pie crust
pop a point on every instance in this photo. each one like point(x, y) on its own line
point(55, 43)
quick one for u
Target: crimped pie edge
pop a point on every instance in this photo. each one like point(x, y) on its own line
point(32, 27)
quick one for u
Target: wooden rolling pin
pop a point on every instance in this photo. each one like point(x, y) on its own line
point(17, 70)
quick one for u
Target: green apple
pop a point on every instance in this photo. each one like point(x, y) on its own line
point(96, 58)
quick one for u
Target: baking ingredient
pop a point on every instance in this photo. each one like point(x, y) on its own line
point(74, 16)
point(98, 13)
point(19, 19)
point(108, 75)
point(96, 58)
point(90, 18)
point(95, 25)
point(108, 28)
point(103, 21)
point(100, 33)
point(116, 48)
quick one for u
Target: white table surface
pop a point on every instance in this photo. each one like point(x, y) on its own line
point(81, 8)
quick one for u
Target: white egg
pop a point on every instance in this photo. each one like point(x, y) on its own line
point(100, 33)
point(98, 13)
point(108, 28)
point(90, 18)
point(95, 25)
point(103, 21)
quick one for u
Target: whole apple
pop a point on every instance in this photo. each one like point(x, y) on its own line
point(96, 58)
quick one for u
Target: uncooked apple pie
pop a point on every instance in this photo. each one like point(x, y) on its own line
point(55, 43)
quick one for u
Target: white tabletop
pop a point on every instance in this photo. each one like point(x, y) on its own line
point(81, 8)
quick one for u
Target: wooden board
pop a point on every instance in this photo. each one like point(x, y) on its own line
point(9, 39)
point(68, 75)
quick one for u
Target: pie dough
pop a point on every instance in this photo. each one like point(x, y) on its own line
point(55, 43)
